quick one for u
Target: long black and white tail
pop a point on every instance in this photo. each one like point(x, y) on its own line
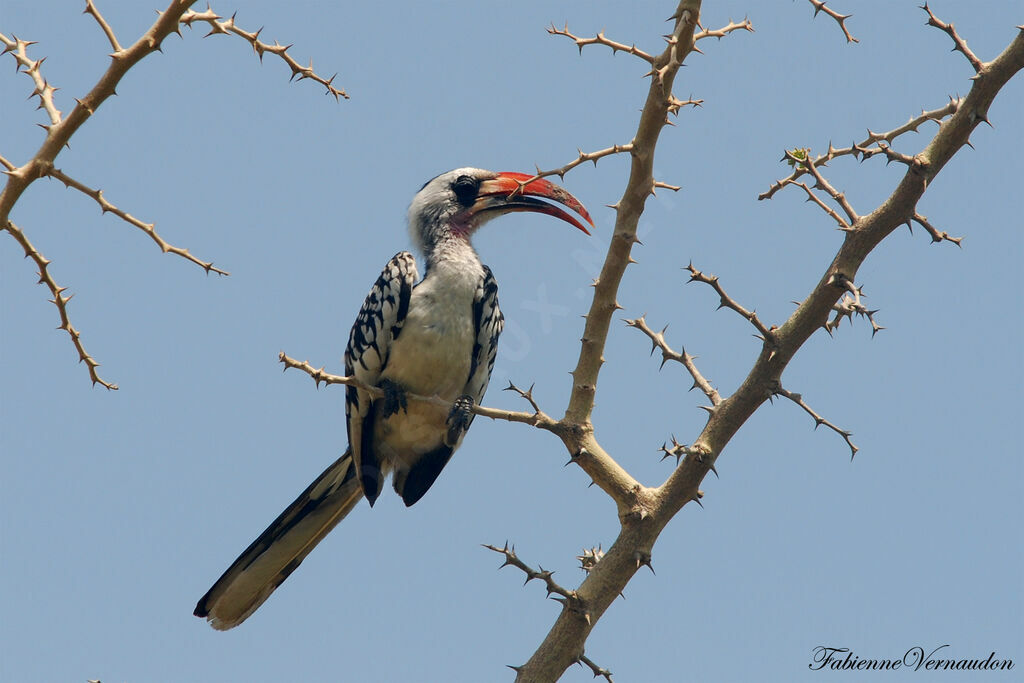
point(265, 564)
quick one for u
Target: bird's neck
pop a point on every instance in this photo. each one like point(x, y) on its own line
point(453, 252)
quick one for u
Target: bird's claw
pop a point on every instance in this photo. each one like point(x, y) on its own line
point(394, 398)
point(459, 418)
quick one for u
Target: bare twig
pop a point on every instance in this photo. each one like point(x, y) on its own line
point(553, 588)
point(682, 357)
point(582, 157)
point(537, 419)
point(892, 155)
point(675, 104)
point(225, 26)
point(726, 301)
point(595, 669)
point(60, 301)
point(724, 31)
point(818, 419)
point(590, 558)
point(819, 6)
point(937, 235)
point(850, 305)
point(61, 129)
point(864, 149)
point(19, 50)
point(600, 39)
point(148, 228)
point(821, 183)
point(959, 44)
point(90, 8)
point(812, 197)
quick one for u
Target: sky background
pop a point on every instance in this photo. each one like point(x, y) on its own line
point(119, 509)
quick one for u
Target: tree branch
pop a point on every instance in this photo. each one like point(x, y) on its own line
point(90, 8)
point(61, 129)
point(850, 305)
point(600, 39)
point(726, 301)
point(536, 419)
point(219, 27)
point(959, 44)
point(512, 560)
point(822, 184)
point(819, 6)
point(19, 50)
point(583, 157)
point(937, 235)
point(863, 149)
point(724, 31)
point(813, 312)
point(564, 642)
point(595, 669)
point(60, 301)
point(818, 419)
point(59, 133)
point(681, 357)
point(148, 228)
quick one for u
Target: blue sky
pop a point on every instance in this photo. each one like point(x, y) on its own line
point(120, 508)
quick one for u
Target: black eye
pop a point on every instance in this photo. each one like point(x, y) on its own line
point(465, 188)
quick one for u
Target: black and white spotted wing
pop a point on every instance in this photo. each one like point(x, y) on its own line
point(378, 324)
point(489, 322)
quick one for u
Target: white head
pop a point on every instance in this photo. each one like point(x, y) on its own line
point(454, 204)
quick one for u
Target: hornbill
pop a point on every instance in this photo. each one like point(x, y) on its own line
point(432, 337)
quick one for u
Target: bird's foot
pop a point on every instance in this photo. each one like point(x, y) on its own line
point(459, 418)
point(394, 398)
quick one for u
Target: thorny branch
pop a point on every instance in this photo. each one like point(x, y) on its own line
point(90, 8)
point(600, 39)
point(959, 44)
point(822, 184)
point(864, 149)
point(581, 158)
point(564, 642)
point(850, 305)
point(60, 130)
point(937, 235)
point(60, 301)
point(653, 508)
point(819, 6)
point(812, 197)
point(148, 228)
point(595, 669)
point(724, 31)
point(679, 451)
point(19, 50)
point(220, 26)
point(818, 419)
point(681, 357)
point(726, 301)
point(512, 560)
point(537, 418)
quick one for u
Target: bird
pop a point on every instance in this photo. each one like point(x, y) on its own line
point(435, 337)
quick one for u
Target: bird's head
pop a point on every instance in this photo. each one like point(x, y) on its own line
point(456, 203)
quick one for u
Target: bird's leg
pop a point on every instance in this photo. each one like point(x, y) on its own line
point(459, 418)
point(394, 398)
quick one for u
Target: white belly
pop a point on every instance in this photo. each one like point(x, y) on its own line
point(431, 357)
